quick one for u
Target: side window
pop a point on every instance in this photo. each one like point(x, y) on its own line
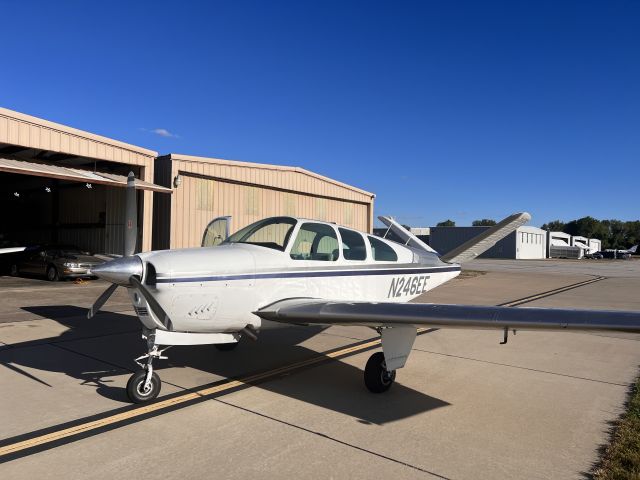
point(381, 251)
point(315, 241)
point(352, 245)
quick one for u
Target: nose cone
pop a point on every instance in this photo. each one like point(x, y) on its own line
point(119, 270)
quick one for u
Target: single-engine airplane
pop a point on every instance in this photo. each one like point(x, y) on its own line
point(284, 271)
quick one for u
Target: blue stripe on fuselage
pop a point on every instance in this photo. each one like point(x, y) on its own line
point(309, 274)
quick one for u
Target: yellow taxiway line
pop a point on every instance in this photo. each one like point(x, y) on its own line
point(171, 402)
point(231, 384)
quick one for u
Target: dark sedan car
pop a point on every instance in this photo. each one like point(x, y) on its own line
point(55, 262)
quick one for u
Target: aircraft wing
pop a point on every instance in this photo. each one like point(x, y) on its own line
point(299, 311)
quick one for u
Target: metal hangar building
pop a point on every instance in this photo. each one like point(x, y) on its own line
point(206, 189)
point(525, 243)
point(62, 185)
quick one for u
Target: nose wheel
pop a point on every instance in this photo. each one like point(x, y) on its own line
point(141, 391)
point(376, 376)
point(144, 385)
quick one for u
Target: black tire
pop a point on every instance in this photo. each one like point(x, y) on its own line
point(14, 271)
point(52, 274)
point(226, 347)
point(135, 387)
point(376, 376)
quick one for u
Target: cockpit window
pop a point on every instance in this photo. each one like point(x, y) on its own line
point(381, 251)
point(315, 241)
point(270, 232)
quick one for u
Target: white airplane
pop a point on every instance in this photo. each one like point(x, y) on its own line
point(285, 271)
point(624, 254)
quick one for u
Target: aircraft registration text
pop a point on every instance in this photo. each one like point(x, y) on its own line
point(408, 286)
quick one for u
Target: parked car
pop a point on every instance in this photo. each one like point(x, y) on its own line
point(55, 262)
point(594, 256)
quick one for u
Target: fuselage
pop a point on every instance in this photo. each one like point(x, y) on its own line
point(217, 289)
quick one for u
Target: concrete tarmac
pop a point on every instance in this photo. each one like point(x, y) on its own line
point(464, 407)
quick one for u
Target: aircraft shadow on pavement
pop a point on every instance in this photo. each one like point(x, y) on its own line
point(108, 343)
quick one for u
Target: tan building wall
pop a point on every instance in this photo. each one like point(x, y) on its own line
point(38, 134)
point(211, 188)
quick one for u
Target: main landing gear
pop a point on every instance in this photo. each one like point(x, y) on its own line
point(376, 376)
point(144, 385)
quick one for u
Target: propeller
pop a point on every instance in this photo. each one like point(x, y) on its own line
point(120, 270)
point(152, 302)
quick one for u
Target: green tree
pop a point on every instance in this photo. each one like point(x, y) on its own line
point(485, 222)
point(446, 223)
point(613, 233)
point(554, 226)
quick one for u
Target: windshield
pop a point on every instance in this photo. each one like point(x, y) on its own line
point(270, 232)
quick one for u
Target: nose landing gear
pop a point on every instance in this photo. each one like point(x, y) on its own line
point(144, 385)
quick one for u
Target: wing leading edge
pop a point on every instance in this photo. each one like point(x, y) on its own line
point(323, 312)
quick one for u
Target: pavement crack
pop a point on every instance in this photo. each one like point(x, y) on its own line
point(334, 439)
point(523, 368)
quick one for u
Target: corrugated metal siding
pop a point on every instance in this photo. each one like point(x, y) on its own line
point(115, 212)
point(20, 129)
point(91, 239)
point(198, 200)
point(274, 176)
point(81, 204)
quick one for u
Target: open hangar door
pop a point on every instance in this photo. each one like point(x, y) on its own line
point(47, 204)
point(40, 210)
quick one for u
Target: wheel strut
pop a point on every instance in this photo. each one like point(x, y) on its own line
point(141, 389)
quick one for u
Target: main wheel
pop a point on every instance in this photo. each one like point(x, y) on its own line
point(15, 271)
point(376, 376)
point(52, 274)
point(226, 347)
point(135, 387)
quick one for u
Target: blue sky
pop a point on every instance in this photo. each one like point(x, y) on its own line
point(444, 109)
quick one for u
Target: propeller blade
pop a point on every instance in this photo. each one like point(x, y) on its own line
point(97, 305)
point(152, 302)
point(131, 219)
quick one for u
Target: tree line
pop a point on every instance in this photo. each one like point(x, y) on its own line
point(613, 233)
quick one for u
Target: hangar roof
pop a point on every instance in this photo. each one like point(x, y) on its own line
point(298, 179)
point(19, 129)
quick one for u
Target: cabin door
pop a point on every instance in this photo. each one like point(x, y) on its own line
point(216, 232)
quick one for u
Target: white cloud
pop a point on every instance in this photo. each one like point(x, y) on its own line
point(163, 132)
